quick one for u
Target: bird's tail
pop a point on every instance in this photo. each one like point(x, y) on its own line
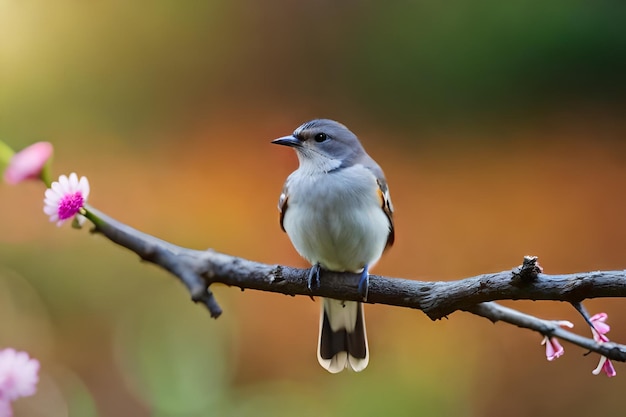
point(343, 340)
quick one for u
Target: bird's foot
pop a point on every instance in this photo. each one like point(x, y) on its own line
point(364, 283)
point(313, 279)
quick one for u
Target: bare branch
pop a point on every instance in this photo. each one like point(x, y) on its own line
point(199, 269)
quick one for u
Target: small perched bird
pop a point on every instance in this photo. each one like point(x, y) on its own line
point(337, 213)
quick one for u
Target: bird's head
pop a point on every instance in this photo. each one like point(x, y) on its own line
point(323, 145)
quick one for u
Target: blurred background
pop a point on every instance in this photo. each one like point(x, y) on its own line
point(500, 126)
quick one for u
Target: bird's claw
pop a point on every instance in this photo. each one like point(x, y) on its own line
point(313, 279)
point(364, 283)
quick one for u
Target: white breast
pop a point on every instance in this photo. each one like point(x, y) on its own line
point(336, 218)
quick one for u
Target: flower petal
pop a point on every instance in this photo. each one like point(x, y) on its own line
point(73, 180)
point(598, 369)
point(5, 407)
point(83, 187)
point(57, 188)
point(18, 374)
point(49, 210)
point(565, 323)
point(599, 317)
point(605, 365)
point(554, 349)
point(51, 194)
point(601, 327)
point(608, 369)
point(64, 185)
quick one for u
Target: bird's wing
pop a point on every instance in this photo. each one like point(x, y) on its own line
point(282, 205)
point(385, 202)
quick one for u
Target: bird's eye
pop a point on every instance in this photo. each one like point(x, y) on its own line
point(320, 137)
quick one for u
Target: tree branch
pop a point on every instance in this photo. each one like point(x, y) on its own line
point(495, 312)
point(199, 269)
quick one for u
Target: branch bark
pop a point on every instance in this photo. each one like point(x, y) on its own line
point(437, 299)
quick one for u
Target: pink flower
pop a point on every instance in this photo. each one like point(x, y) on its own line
point(554, 349)
point(29, 163)
point(605, 366)
point(65, 198)
point(18, 378)
point(599, 329)
point(5, 409)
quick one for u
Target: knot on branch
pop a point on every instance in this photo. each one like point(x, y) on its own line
point(528, 271)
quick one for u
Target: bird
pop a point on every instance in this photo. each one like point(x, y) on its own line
point(337, 212)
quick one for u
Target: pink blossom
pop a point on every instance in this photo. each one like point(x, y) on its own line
point(599, 326)
point(554, 349)
point(18, 378)
point(5, 409)
point(29, 163)
point(599, 329)
point(65, 198)
point(605, 366)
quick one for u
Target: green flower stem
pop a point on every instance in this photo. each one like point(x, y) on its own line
point(6, 153)
point(97, 221)
point(45, 174)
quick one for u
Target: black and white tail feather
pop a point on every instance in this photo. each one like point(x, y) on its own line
point(342, 339)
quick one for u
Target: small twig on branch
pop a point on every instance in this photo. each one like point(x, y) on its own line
point(437, 299)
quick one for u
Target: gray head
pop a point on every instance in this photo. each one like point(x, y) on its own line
point(324, 145)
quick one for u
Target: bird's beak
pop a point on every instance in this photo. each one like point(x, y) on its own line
point(290, 140)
